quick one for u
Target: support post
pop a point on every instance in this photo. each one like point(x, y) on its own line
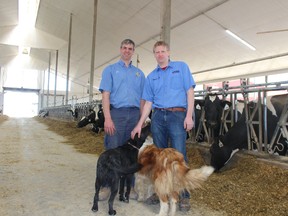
point(48, 81)
point(93, 52)
point(56, 74)
point(68, 60)
point(166, 21)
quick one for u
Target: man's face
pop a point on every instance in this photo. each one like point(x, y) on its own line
point(161, 54)
point(127, 51)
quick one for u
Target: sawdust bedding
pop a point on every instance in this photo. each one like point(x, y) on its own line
point(247, 187)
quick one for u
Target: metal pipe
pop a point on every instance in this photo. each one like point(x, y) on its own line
point(260, 129)
point(251, 85)
point(242, 63)
point(93, 53)
point(48, 82)
point(265, 123)
point(203, 92)
point(56, 73)
point(42, 92)
point(68, 59)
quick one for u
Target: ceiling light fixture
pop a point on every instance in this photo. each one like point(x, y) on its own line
point(27, 13)
point(240, 40)
point(24, 50)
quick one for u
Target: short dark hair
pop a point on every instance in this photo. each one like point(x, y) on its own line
point(127, 41)
point(161, 43)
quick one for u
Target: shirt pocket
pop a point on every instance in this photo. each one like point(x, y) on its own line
point(176, 81)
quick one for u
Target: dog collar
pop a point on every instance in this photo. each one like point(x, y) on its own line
point(133, 146)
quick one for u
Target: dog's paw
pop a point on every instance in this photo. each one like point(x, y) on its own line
point(113, 212)
point(121, 199)
point(94, 208)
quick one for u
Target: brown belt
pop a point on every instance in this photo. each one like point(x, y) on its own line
point(172, 109)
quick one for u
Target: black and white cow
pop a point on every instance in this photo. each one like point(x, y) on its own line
point(97, 124)
point(213, 108)
point(85, 120)
point(223, 149)
point(198, 108)
point(74, 112)
point(43, 113)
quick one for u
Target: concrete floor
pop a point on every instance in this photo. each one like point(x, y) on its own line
point(41, 176)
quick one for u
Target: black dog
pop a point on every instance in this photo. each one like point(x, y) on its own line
point(116, 165)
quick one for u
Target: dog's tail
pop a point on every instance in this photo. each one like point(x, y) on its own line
point(190, 178)
point(194, 178)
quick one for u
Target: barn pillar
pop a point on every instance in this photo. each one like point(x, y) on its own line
point(56, 72)
point(43, 89)
point(68, 60)
point(166, 21)
point(93, 52)
point(48, 81)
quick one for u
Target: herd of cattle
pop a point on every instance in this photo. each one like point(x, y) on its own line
point(229, 133)
point(226, 144)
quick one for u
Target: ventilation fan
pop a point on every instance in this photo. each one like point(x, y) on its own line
point(272, 31)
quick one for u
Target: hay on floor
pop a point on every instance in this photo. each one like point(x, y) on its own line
point(247, 187)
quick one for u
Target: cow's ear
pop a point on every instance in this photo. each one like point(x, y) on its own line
point(226, 104)
point(221, 144)
point(199, 103)
point(197, 107)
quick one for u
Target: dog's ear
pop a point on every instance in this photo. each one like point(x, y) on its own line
point(145, 131)
point(136, 138)
point(144, 134)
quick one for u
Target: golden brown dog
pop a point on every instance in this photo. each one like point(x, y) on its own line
point(170, 175)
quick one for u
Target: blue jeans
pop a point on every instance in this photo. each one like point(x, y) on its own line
point(125, 119)
point(169, 126)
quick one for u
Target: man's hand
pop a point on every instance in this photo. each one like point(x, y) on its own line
point(109, 127)
point(188, 124)
point(136, 130)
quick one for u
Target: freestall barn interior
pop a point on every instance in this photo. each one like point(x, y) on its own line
point(67, 43)
point(53, 52)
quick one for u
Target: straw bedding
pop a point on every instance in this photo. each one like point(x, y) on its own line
point(247, 187)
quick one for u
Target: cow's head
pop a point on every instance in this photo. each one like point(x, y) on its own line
point(85, 120)
point(220, 154)
point(92, 116)
point(98, 125)
point(213, 110)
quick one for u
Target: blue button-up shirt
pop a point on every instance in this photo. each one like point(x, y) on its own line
point(168, 88)
point(125, 84)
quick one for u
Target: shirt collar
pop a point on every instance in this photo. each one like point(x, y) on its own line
point(122, 63)
point(170, 64)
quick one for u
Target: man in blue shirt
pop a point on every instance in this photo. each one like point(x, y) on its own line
point(121, 87)
point(169, 91)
